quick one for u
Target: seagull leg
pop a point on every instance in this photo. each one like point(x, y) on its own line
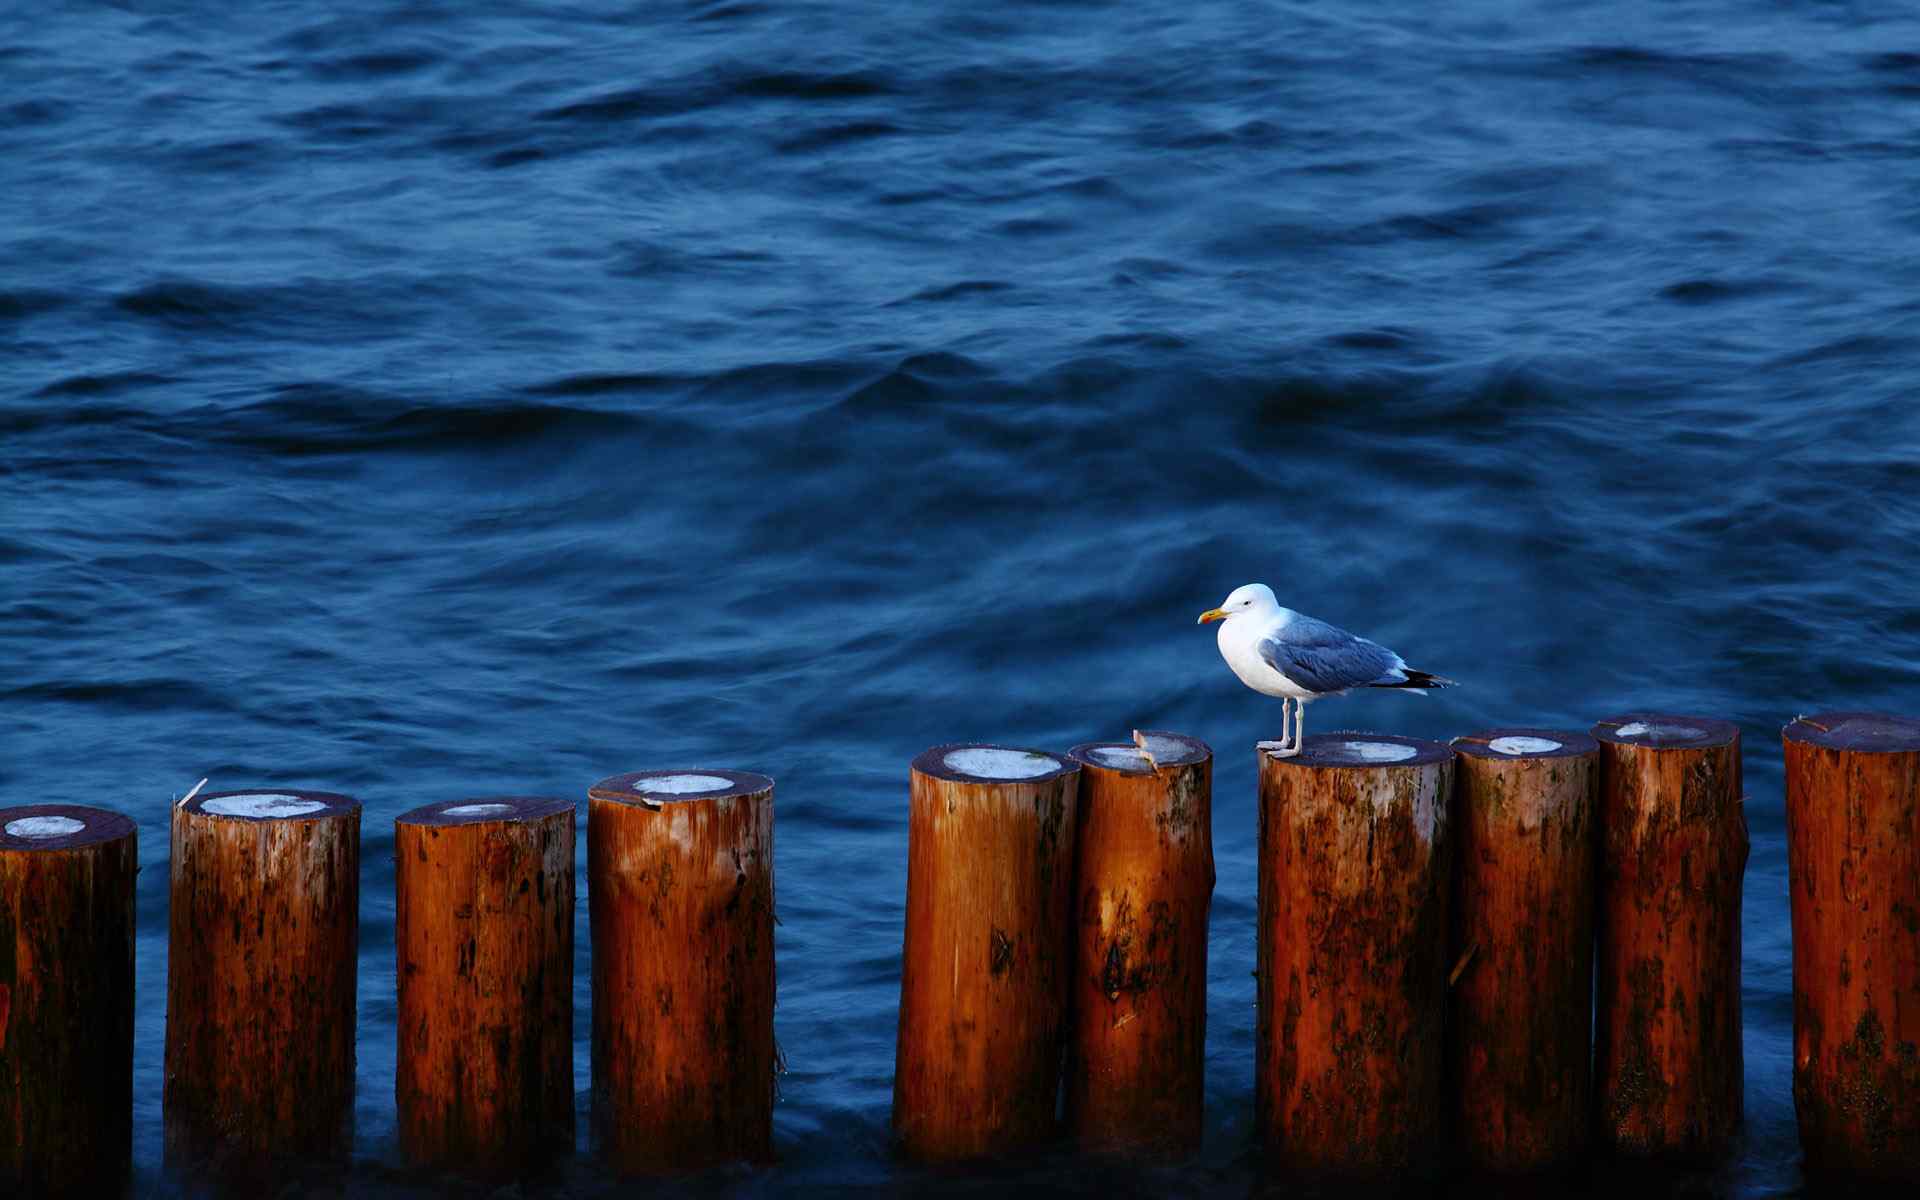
point(1293, 746)
point(1281, 745)
point(1285, 748)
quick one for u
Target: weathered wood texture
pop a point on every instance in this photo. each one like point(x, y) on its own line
point(680, 887)
point(483, 944)
point(1853, 855)
point(1136, 1061)
point(1673, 838)
point(1355, 879)
point(66, 1000)
point(263, 953)
point(987, 956)
point(1520, 1027)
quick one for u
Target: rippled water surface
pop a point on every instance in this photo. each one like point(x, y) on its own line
point(433, 400)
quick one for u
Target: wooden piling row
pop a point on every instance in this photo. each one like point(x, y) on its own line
point(66, 1000)
point(988, 952)
point(483, 947)
point(1355, 882)
point(1425, 919)
point(1143, 865)
point(680, 888)
point(1673, 837)
point(1520, 1029)
point(1853, 860)
point(263, 958)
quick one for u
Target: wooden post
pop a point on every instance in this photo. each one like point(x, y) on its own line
point(1853, 857)
point(1355, 875)
point(680, 885)
point(1520, 1030)
point(988, 951)
point(264, 931)
point(66, 999)
point(483, 941)
point(1136, 1061)
point(1673, 849)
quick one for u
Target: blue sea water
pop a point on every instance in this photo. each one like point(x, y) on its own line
point(441, 399)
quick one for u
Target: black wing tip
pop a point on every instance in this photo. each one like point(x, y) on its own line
point(1419, 679)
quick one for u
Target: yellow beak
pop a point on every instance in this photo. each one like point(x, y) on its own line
point(1213, 614)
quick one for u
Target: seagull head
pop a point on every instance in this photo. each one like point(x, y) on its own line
point(1254, 599)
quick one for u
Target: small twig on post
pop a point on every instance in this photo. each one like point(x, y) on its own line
point(1453, 976)
point(182, 802)
point(1140, 741)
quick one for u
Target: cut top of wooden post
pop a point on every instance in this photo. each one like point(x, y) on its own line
point(1348, 748)
point(484, 810)
point(1167, 749)
point(59, 827)
point(1510, 744)
point(1662, 731)
point(271, 805)
point(1857, 732)
point(979, 762)
point(1533, 762)
point(656, 789)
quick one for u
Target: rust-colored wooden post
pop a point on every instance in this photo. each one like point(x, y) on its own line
point(66, 999)
point(1143, 871)
point(483, 943)
point(1355, 879)
point(988, 951)
point(1520, 1030)
point(1673, 851)
point(263, 942)
point(1853, 857)
point(680, 887)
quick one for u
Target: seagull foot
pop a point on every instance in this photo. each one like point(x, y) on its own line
point(1274, 747)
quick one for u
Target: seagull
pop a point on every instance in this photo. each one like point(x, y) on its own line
point(1279, 652)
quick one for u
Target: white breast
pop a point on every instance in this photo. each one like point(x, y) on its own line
point(1240, 645)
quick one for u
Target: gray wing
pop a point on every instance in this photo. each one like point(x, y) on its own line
point(1322, 658)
